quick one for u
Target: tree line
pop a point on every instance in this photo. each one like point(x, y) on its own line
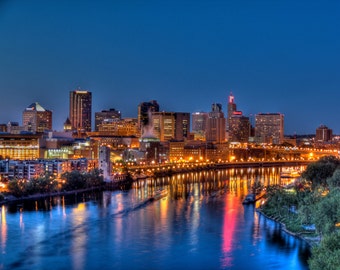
point(47, 183)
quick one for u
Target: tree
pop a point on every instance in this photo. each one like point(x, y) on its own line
point(327, 254)
point(334, 180)
point(326, 213)
point(318, 172)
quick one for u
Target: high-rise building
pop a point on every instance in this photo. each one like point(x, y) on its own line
point(231, 108)
point(80, 110)
point(163, 125)
point(216, 125)
point(199, 121)
point(105, 115)
point(323, 134)
point(239, 129)
point(145, 109)
point(269, 128)
point(36, 119)
point(182, 125)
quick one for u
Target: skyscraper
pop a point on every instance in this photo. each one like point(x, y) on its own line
point(36, 119)
point(269, 128)
point(182, 125)
point(216, 125)
point(239, 128)
point(145, 109)
point(231, 108)
point(80, 110)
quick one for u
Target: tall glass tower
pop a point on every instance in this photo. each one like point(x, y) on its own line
point(80, 110)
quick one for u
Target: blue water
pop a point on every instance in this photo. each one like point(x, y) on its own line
point(194, 227)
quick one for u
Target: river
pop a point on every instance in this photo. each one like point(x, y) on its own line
point(200, 224)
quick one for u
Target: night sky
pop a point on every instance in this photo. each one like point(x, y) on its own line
point(274, 56)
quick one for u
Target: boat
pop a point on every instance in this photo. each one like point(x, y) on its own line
point(160, 193)
point(250, 198)
point(290, 173)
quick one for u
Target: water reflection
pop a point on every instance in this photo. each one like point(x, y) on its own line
point(201, 224)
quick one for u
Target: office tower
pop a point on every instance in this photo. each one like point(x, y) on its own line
point(182, 125)
point(36, 119)
point(323, 134)
point(231, 108)
point(239, 129)
point(269, 128)
point(163, 124)
point(80, 110)
point(216, 125)
point(199, 121)
point(144, 114)
point(105, 115)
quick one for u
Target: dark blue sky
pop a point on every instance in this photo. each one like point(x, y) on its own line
point(275, 56)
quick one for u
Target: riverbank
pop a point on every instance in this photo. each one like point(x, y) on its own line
point(12, 199)
point(122, 184)
point(310, 240)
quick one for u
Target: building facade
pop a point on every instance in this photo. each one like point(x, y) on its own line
point(145, 109)
point(216, 125)
point(239, 129)
point(269, 128)
point(36, 119)
point(323, 134)
point(105, 115)
point(80, 111)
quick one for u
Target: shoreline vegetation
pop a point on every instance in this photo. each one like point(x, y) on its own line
point(310, 211)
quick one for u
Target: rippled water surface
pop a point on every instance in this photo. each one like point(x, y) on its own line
point(198, 225)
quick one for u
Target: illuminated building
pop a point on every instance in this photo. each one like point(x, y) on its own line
point(239, 128)
point(119, 127)
point(67, 125)
point(36, 119)
point(163, 124)
point(231, 108)
point(182, 125)
point(80, 111)
point(216, 125)
point(323, 134)
point(105, 116)
point(269, 128)
point(199, 125)
point(144, 114)
point(21, 147)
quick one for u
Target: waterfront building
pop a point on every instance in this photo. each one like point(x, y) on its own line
point(36, 119)
point(216, 125)
point(144, 116)
point(323, 134)
point(105, 116)
point(269, 128)
point(80, 111)
point(239, 129)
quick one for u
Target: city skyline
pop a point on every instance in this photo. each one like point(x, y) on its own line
point(277, 57)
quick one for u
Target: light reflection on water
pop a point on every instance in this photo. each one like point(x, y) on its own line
point(201, 224)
